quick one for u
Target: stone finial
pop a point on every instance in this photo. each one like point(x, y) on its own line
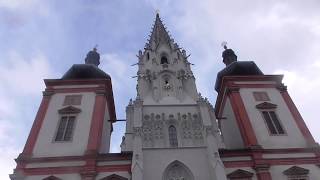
point(93, 57)
point(228, 55)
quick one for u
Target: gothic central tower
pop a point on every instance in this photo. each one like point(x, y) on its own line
point(170, 128)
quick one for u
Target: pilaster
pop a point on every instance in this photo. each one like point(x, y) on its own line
point(242, 118)
point(32, 138)
point(296, 115)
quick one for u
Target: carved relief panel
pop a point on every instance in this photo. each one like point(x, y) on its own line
point(155, 129)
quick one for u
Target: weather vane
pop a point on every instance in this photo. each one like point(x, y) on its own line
point(224, 44)
point(95, 47)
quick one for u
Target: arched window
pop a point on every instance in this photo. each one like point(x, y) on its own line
point(177, 170)
point(173, 140)
point(164, 60)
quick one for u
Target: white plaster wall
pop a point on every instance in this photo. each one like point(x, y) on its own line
point(230, 129)
point(254, 177)
point(61, 176)
point(106, 133)
point(155, 162)
point(277, 171)
point(45, 145)
point(120, 173)
point(293, 138)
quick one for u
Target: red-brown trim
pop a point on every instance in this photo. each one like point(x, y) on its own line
point(76, 90)
point(262, 171)
point(242, 118)
point(297, 117)
point(113, 168)
point(32, 138)
point(99, 157)
point(96, 127)
point(104, 85)
point(74, 169)
point(60, 82)
point(264, 175)
point(276, 78)
point(248, 152)
point(230, 81)
point(278, 161)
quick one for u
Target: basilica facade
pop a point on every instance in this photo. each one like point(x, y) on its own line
point(254, 131)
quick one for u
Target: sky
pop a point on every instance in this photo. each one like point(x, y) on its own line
point(43, 38)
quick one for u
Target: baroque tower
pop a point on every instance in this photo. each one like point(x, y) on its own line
point(171, 129)
point(264, 134)
point(70, 136)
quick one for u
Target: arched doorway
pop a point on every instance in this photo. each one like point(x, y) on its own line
point(177, 171)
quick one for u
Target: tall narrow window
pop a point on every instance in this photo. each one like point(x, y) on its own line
point(273, 122)
point(65, 128)
point(173, 139)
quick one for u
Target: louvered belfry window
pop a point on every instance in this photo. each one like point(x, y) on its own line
point(65, 128)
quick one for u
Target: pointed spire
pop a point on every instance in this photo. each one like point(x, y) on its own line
point(158, 33)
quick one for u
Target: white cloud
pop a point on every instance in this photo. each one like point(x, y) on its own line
point(24, 77)
point(302, 86)
point(8, 154)
point(21, 81)
point(118, 67)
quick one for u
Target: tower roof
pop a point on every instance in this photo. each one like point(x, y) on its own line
point(234, 67)
point(89, 70)
point(159, 33)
